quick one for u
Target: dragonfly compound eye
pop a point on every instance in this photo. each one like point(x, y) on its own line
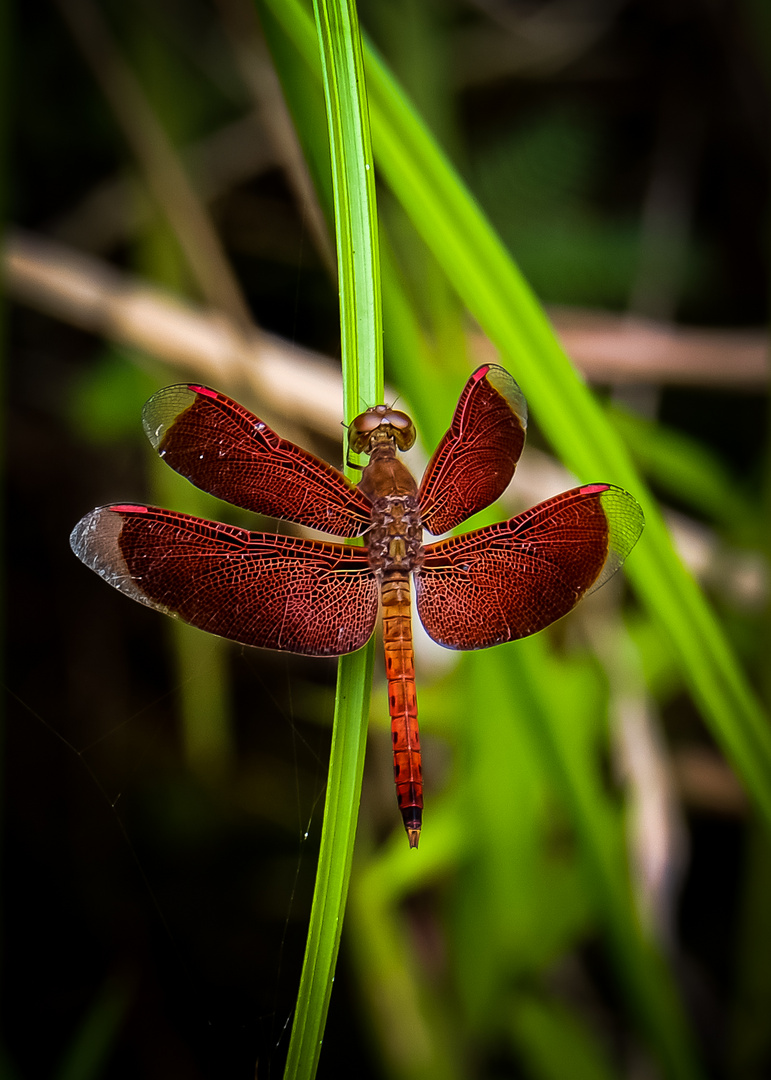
point(382, 422)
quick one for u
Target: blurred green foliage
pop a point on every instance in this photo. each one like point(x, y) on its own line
point(519, 941)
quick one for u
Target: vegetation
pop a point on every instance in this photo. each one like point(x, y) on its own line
point(591, 891)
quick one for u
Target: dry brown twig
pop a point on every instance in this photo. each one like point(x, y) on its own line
point(91, 294)
point(305, 387)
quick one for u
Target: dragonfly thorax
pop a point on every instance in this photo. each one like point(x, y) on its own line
point(395, 539)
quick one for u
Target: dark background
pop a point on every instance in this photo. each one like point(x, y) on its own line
point(169, 913)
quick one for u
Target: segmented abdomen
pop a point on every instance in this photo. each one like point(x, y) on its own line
point(402, 700)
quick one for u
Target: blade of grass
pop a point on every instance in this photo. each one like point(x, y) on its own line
point(414, 1021)
point(554, 1042)
point(346, 767)
point(361, 336)
point(94, 1040)
point(642, 971)
point(485, 276)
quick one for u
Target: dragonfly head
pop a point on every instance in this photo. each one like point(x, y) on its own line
point(378, 424)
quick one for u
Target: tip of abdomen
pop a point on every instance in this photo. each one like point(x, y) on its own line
point(412, 822)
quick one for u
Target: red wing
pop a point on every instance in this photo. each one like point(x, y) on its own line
point(224, 449)
point(276, 592)
point(515, 578)
point(475, 461)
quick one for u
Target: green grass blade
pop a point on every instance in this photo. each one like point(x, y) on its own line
point(454, 228)
point(555, 1043)
point(94, 1040)
point(346, 766)
point(361, 335)
point(641, 969)
point(484, 275)
point(353, 184)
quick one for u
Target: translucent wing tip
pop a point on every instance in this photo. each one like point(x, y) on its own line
point(626, 522)
point(95, 539)
point(96, 542)
point(507, 387)
point(160, 412)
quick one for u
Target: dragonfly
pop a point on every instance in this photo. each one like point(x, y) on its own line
point(321, 598)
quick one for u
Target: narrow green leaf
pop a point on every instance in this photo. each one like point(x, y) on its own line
point(346, 766)
point(554, 1043)
point(640, 968)
point(94, 1039)
point(486, 278)
point(361, 335)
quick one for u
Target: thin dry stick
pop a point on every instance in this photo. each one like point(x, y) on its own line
point(87, 292)
point(90, 293)
point(164, 173)
point(297, 384)
point(626, 350)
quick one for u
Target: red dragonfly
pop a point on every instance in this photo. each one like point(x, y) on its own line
point(495, 584)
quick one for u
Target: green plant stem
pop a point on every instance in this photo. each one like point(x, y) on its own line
point(361, 336)
point(488, 281)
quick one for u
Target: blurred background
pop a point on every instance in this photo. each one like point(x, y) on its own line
point(163, 789)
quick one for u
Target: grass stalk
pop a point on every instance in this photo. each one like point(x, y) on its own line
point(361, 343)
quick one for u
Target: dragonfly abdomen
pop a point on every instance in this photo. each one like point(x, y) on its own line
point(402, 700)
